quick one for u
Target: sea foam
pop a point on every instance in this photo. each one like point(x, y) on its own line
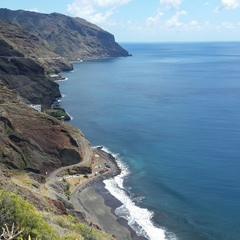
point(139, 219)
point(71, 118)
point(62, 80)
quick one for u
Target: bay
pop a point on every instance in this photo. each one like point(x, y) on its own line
point(171, 113)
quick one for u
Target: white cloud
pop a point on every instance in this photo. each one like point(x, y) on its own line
point(154, 20)
point(106, 3)
point(231, 4)
point(228, 4)
point(170, 4)
point(95, 11)
point(206, 23)
point(227, 25)
point(193, 25)
point(33, 10)
point(174, 22)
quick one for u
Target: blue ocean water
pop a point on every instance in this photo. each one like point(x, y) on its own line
point(172, 113)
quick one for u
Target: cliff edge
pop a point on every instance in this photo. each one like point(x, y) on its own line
point(31, 140)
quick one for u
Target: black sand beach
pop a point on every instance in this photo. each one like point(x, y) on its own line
point(111, 202)
point(99, 205)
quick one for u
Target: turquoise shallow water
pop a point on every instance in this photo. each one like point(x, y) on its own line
point(172, 113)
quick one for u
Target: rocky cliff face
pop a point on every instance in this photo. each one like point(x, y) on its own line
point(33, 141)
point(31, 45)
point(30, 140)
point(68, 37)
point(27, 79)
point(18, 42)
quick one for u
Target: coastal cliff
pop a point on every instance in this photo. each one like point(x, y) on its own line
point(32, 145)
point(33, 45)
point(34, 141)
point(21, 70)
point(37, 151)
point(71, 38)
point(27, 79)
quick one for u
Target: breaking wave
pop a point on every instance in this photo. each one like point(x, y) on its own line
point(139, 219)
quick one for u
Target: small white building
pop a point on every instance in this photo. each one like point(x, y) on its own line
point(37, 107)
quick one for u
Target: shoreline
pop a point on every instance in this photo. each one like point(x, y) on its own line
point(98, 205)
point(112, 202)
point(115, 170)
point(93, 188)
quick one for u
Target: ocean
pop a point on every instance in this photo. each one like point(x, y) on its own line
point(171, 116)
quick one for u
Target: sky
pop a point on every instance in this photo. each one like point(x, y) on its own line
point(149, 20)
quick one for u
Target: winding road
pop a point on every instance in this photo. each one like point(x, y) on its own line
point(87, 158)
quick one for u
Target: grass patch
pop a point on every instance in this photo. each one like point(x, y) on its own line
point(43, 225)
point(76, 230)
point(21, 179)
point(58, 113)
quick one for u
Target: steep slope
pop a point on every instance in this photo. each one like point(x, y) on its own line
point(27, 78)
point(30, 46)
point(33, 141)
point(72, 38)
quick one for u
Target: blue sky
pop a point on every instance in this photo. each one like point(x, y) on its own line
point(149, 20)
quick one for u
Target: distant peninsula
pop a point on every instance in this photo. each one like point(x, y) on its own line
point(71, 38)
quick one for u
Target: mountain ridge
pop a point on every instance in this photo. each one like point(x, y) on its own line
point(72, 38)
point(26, 45)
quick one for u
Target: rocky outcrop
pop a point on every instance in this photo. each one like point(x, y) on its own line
point(73, 38)
point(79, 170)
point(30, 140)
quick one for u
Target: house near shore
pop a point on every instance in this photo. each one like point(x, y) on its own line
point(37, 107)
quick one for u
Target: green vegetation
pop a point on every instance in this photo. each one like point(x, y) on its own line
point(77, 231)
point(86, 175)
point(67, 191)
point(49, 72)
point(58, 113)
point(14, 210)
point(31, 224)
